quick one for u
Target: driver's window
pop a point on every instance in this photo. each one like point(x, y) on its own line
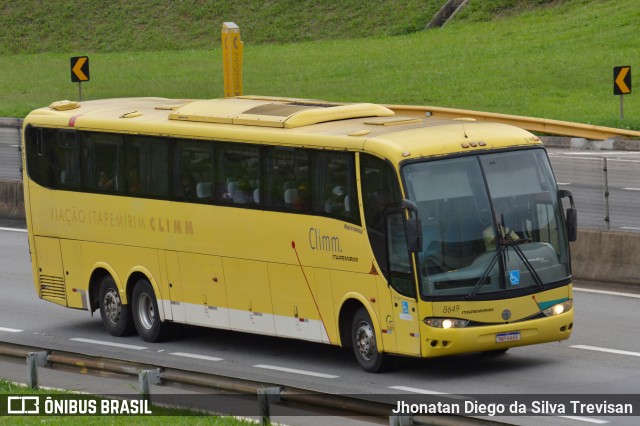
point(398, 255)
point(380, 189)
point(547, 227)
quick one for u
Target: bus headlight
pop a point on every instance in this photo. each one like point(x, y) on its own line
point(559, 308)
point(446, 322)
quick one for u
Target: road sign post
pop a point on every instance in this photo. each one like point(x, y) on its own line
point(79, 72)
point(232, 48)
point(622, 84)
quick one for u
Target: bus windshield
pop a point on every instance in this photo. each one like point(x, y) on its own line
point(490, 223)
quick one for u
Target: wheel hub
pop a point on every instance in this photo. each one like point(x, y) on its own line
point(365, 340)
point(146, 314)
point(112, 306)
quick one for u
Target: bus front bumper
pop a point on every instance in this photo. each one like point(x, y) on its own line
point(441, 342)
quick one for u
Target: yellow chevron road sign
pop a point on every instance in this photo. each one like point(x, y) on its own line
point(622, 80)
point(79, 69)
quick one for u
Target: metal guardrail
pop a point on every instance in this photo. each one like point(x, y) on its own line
point(541, 125)
point(10, 148)
point(312, 401)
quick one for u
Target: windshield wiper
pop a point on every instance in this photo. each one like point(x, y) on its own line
point(499, 251)
point(527, 264)
point(486, 273)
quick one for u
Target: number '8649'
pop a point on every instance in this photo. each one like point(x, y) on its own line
point(450, 309)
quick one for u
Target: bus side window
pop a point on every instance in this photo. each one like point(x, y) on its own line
point(39, 147)
point(286, 179)
point(240, 174)
point(67, 170)
point(193, 171)
point(147, 166)
point(103, 152)
point(333, 186)
point(379, 190)
point(400, 276)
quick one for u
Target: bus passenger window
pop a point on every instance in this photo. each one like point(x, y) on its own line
point(334, 185)
point(287, 179)
point(240, 174)
point(39, 146)
point(67, 161)
point(193, 171)
point(104, 156)
point(147, 165)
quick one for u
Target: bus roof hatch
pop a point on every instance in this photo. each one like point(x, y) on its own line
point(252, 112)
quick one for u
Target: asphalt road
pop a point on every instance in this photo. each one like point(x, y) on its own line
point(602, 357)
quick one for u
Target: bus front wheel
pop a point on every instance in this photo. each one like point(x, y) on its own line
point(145, 313)
point(116, 316)
point(363, 338)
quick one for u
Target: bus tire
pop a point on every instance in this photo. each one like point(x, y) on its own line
point(146, 316)
point(116, 316)
point(363, 339)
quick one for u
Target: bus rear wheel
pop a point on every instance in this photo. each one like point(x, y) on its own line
point(116, 316)
point(145, 313)
point(363, 338)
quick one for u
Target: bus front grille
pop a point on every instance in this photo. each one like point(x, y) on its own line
point(52, 288)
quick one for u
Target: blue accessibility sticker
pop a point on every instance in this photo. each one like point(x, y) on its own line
point(405, 307)
point(514, 277)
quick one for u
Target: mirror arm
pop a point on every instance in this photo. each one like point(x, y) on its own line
point(563, 193)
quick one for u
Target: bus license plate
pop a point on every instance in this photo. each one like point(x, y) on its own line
point(508, 337)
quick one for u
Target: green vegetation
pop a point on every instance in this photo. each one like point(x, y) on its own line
point(551, 59)
point(161, 416)
point(124, 26)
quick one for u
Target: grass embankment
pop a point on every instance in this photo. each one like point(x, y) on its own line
point(552, 59)
point(161, 416)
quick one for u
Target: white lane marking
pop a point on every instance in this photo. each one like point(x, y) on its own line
point(610, 293)
point(417, 390)
point(10, 330)
point(196, 356)
point(631, 189)
point(633, 228)
point(607, 350)
point(564, 183)
point(12, 229)
point(427, 392)
point(295, 371)
point(586, 419)
point(100, 342)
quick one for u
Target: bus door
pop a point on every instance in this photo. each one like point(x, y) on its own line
point(402, 285)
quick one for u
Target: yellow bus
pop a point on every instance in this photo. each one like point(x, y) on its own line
point(336, 223)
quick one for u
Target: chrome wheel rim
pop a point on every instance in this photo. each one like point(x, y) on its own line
point(112, 305)
point(365, 340)
point(146, 314)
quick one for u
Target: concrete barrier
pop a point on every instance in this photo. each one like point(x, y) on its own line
point(607, 257)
